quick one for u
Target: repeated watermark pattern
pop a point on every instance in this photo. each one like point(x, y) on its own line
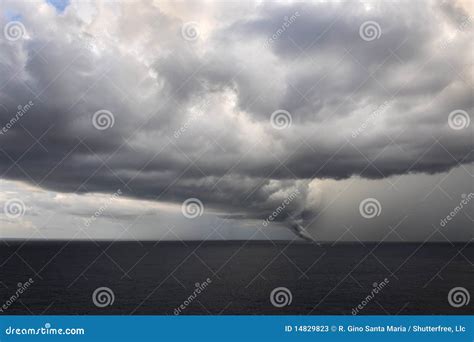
point(14, 30)
point(99, 39)
point(103, 297)
point(370, 30)
point(100, 211)
point(196, 115)
point(372, 117)
point(21, 110)
point(190, 31)
point(14, 208)
point(103, 119)
point(281, 297)
point(281, 119)
point(459, 119)
point(287, 22)
point(180, 131)
point(465, 22)
point(370, 208)
point(284, 204)
point(192, 208)
point(22, 287)
point(199, 288)
point(377, 287)
point(458, 297)
point(457, 209)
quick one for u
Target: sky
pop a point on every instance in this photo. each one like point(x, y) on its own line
point(331, 121)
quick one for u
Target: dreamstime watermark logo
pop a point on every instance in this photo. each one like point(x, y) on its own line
point(192, 208)
point(98, 39)
point(19, 291)
point(370, 208)
point(102, 208)
point(21, 110)
point(280, 297)
point(177, 134)
point(46, 330)
point(200, 287)
point(281, 119)
point(14, 208)
point(192, 118)
point(376, 113)
point(14, 30)
point(287, 22)
point(103, 119)
point(291, 197)
point(190, 31)
point(459, 119)
point(370, 30)
point(377, 287)
point(458, 296)
point(464, 23)
point(465, 200)
point(103, 296)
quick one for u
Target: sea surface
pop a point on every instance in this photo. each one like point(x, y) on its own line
point(234, 277)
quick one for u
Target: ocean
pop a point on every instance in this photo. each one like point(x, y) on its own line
point(233, 278)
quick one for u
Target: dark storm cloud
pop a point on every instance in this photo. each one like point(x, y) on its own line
point(219, 92)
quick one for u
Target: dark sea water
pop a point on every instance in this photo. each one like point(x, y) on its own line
point(156, 278)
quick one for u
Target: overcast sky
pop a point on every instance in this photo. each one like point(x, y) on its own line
point(236, 120)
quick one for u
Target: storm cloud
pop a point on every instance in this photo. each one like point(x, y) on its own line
point(237, 105)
